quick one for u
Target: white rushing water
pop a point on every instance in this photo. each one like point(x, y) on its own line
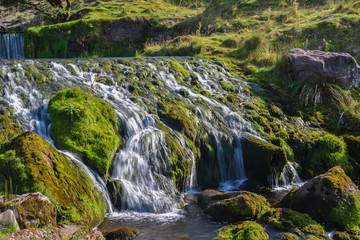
point(288, 179)
point(12, 46)
point(143, 164)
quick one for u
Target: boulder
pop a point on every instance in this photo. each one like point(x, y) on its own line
point(8, 220)
point(260, 157)
point(236, 206)
point(331, 198)
point(247, 230)
point(122, 233)
point(32, 210)
point(317, 67)
point(37, 166)
point(117, 193)
point(288, 220)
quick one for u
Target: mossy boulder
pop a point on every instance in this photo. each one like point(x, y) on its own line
point(260, 157)
point(247, 230)
point(86, 125)
point(122, 233)
point(44, 169)
point(8, 128)
point(117, 193)
point(177, 116)
point(32, 210)
point(244, 205)
point(332, 198)
point(353, 146)
point(286, 219)
point(317, 152)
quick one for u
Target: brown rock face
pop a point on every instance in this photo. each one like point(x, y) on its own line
point(321, 194)
point(317, 67)
point(32, 210)
point(128, 30)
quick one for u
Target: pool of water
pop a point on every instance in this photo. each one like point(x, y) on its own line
point(188, 223)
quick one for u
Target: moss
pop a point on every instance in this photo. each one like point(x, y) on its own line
point(227, 86)
point(179, 68)
point(122, 233)
point(94, 134)
point(247, 230)
point(135, 90)
point(342, 236)
point(246, 205)
point(285, 219)
point(178, 117)
point(347, 214)
point(51, 173)
point(318, 152)
point(8, 128)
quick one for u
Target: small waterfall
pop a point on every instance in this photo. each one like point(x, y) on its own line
point(143, 164)
point(12, 46)
point(288, 177)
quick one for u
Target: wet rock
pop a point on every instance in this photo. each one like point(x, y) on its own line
point(8, 220)
point(117, 193)
point(122, 233)
point(32, 210)
point(245, 230)
point(331, 198)
point(317, 67)
point(236, 206)
point(260, 157)
point(286, 219)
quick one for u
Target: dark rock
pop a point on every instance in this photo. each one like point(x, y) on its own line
point(117, 193)
point(260, 157)
point(236, 206)
point(123, 233)
point(32, 210)
point(133, 31)
point(320, 195)
point(317, 67)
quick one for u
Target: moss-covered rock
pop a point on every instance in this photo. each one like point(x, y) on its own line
point(45, 170)
point(122, 233)
point(32, 210)
point(178, 117)
point(117, 193)
point(8, 128)
point(259, 159)
point(332, 198)
point(341, 236)
point(285, 219)
point(247, 230)
point(243, 206)
point(86, 125)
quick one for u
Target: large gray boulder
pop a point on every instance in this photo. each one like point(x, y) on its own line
point(317, 67)
point(8, 220)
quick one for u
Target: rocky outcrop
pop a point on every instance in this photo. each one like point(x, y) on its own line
point(326, 197)
point(132, 31)
point(32, 210)
point(36, 165)
point(260, 157)
point(317, 67)
point(234, 206)
point(8, 220)
point(245, 230)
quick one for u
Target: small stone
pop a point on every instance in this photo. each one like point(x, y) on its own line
point(8, 220)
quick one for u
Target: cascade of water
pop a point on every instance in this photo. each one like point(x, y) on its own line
point(12, 46)
point(143, 163)
point(288, 177)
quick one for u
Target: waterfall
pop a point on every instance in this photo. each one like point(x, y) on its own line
point(12, 46)
point(288, 177)
point(142, 166)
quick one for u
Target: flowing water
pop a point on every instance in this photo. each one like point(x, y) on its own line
point(12, 46)
point(143, 163)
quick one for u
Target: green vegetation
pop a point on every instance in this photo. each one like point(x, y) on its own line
point(246, 205)
point(247, 230)
point(95, 135)
point(31, 164)
point(346, 215)
point(285, 219)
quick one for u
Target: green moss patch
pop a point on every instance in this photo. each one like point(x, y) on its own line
point(247, 230)
point(94, 134)
point(36, 166)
